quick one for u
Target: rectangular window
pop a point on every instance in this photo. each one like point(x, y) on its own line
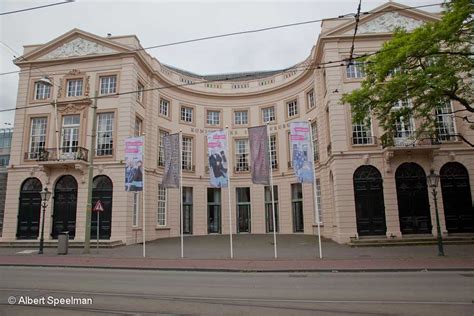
point(319, 201)
point(268, 115)
point(241, 155)
point(297, 207)
point(6, 137)
point(314, 131)
point(140, 92)
point(187, 210)
point(4, 160)
point(355, 70)
point(137, 131)
point(187, 154)
point(310, 99)
point(213, 117)
point(37, 137)
point(105, 129)
point(136, 209)
point(241, 117)
point(42, 91)
point(213, 210)
point(70, 133)
point(292, 108)
point(243, 210)
point(445, 123)
point(164, 107)
point(404, 126)
point(108, 85)
point(362, 132)
point(161, 148)
point(269, 209)
point(186, 114)
point(161, 212)
point(273, 151)
point(74, 88)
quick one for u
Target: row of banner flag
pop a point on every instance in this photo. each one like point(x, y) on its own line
point(217, 144)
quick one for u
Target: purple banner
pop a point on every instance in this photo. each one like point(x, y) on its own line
point(260, 160)
point(301, 151)
point(217, 155)
point(134, 163)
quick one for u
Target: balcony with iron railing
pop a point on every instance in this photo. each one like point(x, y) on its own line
point(53, 156)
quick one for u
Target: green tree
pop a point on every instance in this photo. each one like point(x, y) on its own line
point(430, 66)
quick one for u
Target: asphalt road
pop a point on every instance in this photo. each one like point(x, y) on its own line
point(136, 292)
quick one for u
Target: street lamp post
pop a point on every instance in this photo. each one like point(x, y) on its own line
point(433, 180)
point(45, 195)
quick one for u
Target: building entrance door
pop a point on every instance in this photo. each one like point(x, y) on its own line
point(30, 209)
point(102, 190)
point(370, 208)
point(457, 200)
point(412, 196)
point(65, 206)
point(213, 211)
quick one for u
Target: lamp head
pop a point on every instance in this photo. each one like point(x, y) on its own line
point(433, 179)
point(45, 194)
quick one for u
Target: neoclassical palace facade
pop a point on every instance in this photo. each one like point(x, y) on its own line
point(364, 187)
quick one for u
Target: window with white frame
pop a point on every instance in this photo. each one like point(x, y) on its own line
point(268, 114)
point(105, 129)
point(187, 154)
point(273, 151)
point(140, 91)
point(161, 212)
point(136, 209)
point(186, 114)
point(241, 117)
point(319, 201)
point(42, 91)
point(362, 132)
point(315, 134)
point(355, 70)
point(310, 99)
point(213, 117)
point(37, 137)
point(74, 87)
point(108, 84)
point(164, 107)
point(404, 126)
point(241, 155)
point(161, 148)
point(445, 123)
point(292, 108)
point(138, 127)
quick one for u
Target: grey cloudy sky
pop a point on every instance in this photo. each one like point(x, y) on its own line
point(158, 22)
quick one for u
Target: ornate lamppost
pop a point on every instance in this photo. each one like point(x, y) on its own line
point(45, 195)
point(433, 180)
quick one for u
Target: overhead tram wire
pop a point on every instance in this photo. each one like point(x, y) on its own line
point(357, 18)
point(235, 33)
point(36, 8)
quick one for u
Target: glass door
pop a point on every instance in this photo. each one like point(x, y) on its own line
point(70, 139)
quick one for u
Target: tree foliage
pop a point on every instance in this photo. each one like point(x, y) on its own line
point(430, 66)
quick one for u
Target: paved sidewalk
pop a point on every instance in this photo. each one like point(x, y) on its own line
point(252, 253)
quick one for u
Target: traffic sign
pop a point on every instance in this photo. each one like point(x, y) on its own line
point(98, 207)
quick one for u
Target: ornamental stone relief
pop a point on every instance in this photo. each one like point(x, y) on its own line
point(387, 23)
point(78, 47)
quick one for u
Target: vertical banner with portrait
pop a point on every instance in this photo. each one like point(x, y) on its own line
point(301, 151)
point(134, 163)
point(218, 162)
point(172, 154)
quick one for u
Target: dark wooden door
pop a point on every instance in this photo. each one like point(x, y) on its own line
point(102, 190)
point(65, 207)
point(29, 212)
point(412, 197)
point(369, 201)
point(457, 199)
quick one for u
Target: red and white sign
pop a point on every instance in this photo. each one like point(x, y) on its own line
point(98, 207)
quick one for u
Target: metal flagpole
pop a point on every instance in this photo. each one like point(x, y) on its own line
point(181, 190)
point(228, 190)
point(272, 193)
point(315, 199)
point(143, 197)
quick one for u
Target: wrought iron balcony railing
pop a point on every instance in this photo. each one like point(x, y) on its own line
point(64, 154)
